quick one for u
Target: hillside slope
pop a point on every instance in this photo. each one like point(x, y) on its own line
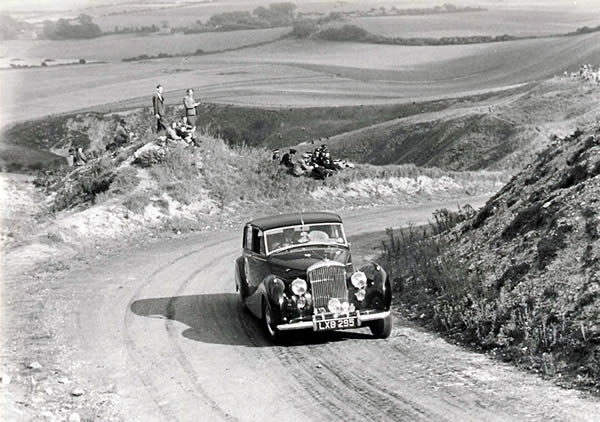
point(522, 276)
point(501, 132)
point(253, 126)
point(496, 130)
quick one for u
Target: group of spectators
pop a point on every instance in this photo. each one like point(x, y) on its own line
point(318, 164)
point(586, 73)
point(183, 130)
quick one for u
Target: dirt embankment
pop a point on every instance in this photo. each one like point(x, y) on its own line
point(522, 276)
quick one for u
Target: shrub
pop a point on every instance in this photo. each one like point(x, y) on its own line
point(83, 184)
point(178, 175)
point(126, 179)
point(304, 28)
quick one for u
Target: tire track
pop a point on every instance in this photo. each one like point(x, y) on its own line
point(223, 326)
point(179, 353)
point(133, 351)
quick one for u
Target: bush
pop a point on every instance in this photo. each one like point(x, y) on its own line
point(304, 28)
point(178, 175)
point(125, 181)
point(84, 184)
point(345, 33)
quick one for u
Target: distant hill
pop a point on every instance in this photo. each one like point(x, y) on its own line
point(499, 132)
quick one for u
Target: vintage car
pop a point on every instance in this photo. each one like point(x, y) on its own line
point(296, 273)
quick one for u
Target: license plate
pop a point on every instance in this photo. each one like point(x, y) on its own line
point(336, 324)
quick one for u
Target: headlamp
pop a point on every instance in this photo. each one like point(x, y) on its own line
point(299, 286)
point(359, 280)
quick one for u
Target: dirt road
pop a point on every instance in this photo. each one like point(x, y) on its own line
point(164, 326)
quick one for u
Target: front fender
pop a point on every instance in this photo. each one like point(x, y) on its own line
point(379, 291)
point(274, 292)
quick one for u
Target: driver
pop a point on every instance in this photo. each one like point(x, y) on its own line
point(287, 240)
point(288, 237)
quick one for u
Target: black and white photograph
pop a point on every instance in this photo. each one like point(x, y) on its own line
point(303, 210)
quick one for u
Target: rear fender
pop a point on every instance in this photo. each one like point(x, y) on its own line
point(239, 274)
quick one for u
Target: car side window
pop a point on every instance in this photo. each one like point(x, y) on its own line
point(256, 240)
point(248, 238)
point(261, 243)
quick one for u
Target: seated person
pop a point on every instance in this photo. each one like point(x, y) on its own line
point(288, 159)
point(187, 131)
point(122, 136)
point(79, 158)
point(172, 132)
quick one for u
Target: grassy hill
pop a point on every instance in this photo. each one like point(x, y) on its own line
point(148, 188)
point(521, 277)
point(499, 132)
point(495, 130)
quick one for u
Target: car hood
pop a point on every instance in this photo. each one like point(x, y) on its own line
point(298, 260)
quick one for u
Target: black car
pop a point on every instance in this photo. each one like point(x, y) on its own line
point(296, 273)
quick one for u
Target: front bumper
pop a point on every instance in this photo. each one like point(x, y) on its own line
point(304, 325)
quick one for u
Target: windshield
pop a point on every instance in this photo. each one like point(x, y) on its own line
point(308, 234)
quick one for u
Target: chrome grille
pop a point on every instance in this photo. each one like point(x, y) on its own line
point(327, 282)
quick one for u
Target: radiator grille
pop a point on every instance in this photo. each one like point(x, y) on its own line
point(328, 282)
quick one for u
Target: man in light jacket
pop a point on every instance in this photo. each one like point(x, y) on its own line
point(158, 103)
point(190, 107)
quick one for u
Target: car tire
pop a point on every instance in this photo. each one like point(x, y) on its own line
point(270, 324)
point(382, 328)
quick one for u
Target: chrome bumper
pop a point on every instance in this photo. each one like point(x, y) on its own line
point(304, 325)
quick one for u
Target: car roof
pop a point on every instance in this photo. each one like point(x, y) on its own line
point(295, 219)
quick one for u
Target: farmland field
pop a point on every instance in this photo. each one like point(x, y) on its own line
point(299, 74)
point(491, 22)
point(117, 47)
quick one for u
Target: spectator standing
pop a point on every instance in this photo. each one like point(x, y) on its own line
point(158, 103)
point(190, 107)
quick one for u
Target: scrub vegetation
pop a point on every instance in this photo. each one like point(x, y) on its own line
point(519, 278)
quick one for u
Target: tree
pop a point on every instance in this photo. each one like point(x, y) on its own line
point(303, 29)
point(285, 9)
point(84, 19)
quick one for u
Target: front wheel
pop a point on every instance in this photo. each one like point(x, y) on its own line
point(382, 328)
point(270, 323)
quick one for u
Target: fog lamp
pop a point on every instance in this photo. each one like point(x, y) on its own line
point(334, 306)
point(359, 280)
point(345, 307)
point(360, 295)
point(352, 307)
point(301, 302)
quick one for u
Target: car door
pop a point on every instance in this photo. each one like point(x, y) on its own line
point(256, 261)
